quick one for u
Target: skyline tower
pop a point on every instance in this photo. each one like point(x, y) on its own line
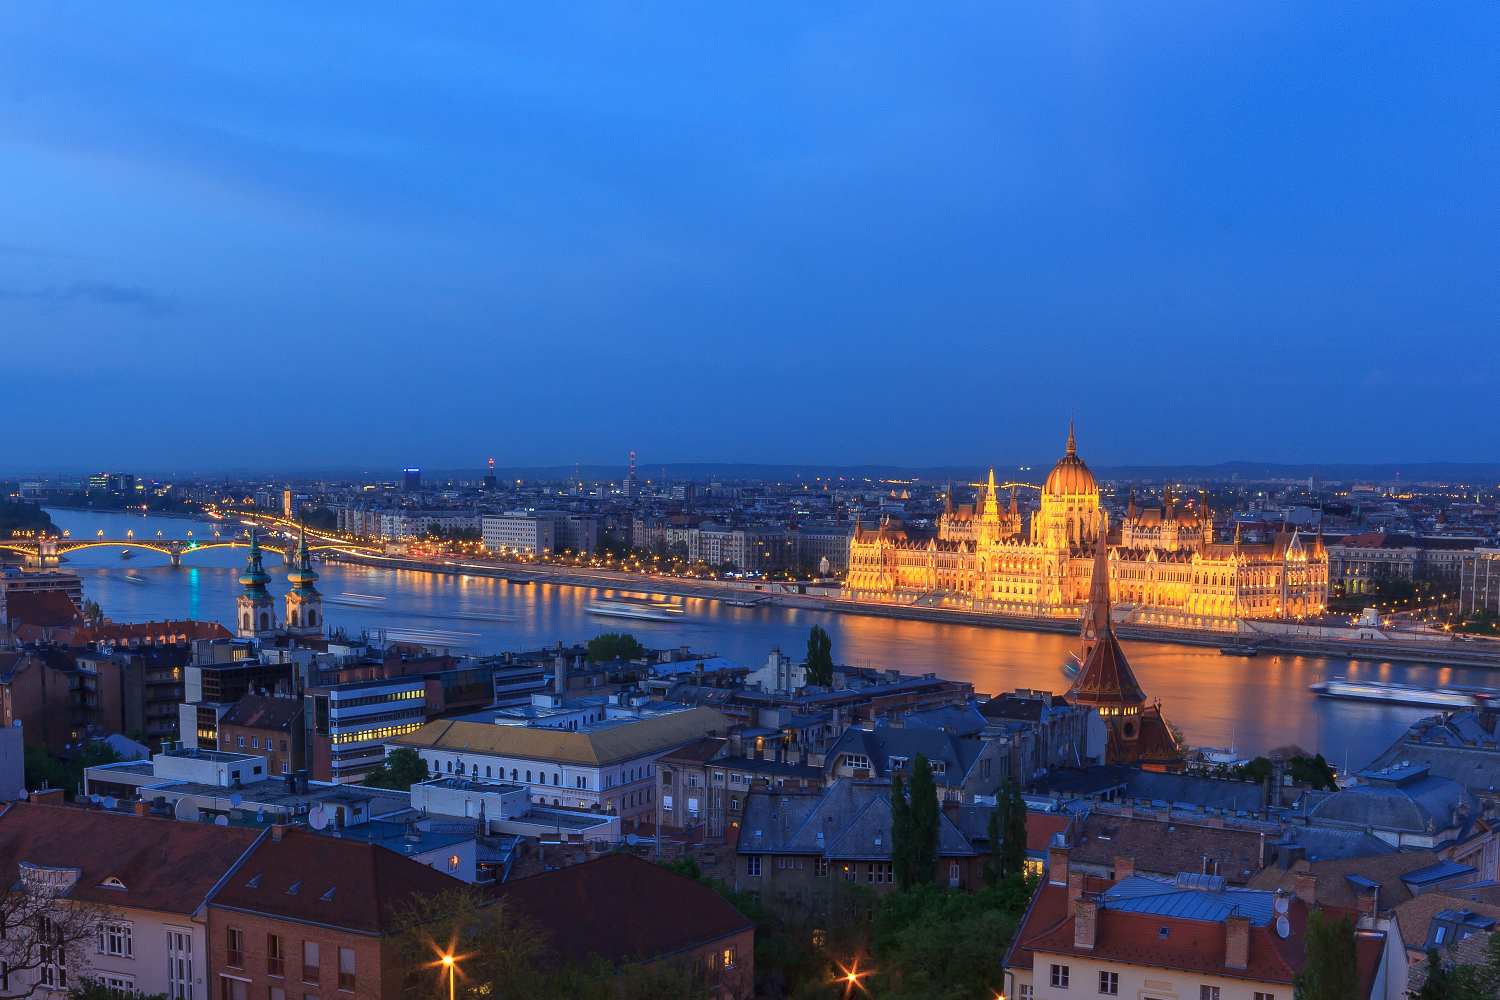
point(632, 485)
point(256, 611)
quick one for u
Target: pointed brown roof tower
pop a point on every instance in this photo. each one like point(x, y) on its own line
point(1105, 680)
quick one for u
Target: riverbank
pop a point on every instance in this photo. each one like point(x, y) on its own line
point(1440, 653)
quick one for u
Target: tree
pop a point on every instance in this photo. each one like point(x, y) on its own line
point(924, 821)
point(46, 939)
point(43, 770)
point(1014, 835)
point(933, 942)
point(92, 613)
point(614, 646)
point(402, 768)
point(1331, 971)
point(901, 833)
point(1439, 984)
point(819, 657)
point(994, 868)
point(92, 989)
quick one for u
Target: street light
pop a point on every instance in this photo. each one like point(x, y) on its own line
point(452, 967)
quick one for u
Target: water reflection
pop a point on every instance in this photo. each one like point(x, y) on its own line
point(1256, 703)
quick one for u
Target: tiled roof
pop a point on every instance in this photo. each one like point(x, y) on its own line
point(600, 746)
point(1185, 935)
point(1334, 887)
point(255, 711)
point(851, 820)
point(622, 908)
point(1416, 914)
point(163, 864)
point(41, 608)
point(1166, 847)
point(327, 880)
point(880, 744)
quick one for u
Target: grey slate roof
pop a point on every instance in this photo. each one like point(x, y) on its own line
point(849, 821)
point(1415, 804)
point(885, 741)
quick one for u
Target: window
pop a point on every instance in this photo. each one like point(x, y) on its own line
point(1208, 993)
point(1265, 996)
point(285, 768)
point(728, 957)
point(1059, 977)
point(53, 957)
point(346, 969)
point(179, 964)
point(240, 742)
point(752, 865)
point(1109, 983)
point(115, 983)
point(275, 993)
point(310, 968)
point(820, 867)
point(275, 956)
point(255, 743)
point(235, 948)
point(233, 989)
point(1024, 992)
point(453, 858)
point(881, 872)
point(114, 939)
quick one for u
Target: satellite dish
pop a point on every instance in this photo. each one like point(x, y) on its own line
point(94, 799)
point(22, 794)
point(317, 818)
point(186, 810)
point(236, 799)
point(110, 802)
point(1283, 927)
point(1282, 905)
point(221, 821)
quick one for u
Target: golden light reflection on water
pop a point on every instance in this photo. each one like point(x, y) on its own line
point(1257, 703)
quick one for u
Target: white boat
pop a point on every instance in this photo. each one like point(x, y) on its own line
point(647, 610)
point(1404, 694)
point(1071, 666)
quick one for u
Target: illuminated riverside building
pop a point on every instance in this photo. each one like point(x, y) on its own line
point(1165, 566)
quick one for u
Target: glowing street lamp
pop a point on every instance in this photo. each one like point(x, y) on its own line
point(850, 976)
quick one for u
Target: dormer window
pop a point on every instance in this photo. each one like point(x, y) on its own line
point(254, 882)
point(113, 882)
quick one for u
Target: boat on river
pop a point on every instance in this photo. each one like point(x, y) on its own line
point(1405, 694)
point(639, 609)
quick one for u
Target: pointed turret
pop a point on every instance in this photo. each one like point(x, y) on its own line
point(989, 503)
point(304, 605)
point(1130, 505)
point(1105, 681)
point(1015, 509)
point(256, 610)
point(1072, 448)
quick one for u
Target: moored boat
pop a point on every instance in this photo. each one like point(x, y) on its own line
point(1404, 694)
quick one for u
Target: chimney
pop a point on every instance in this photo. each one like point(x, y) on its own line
point(1236, 942)
point(1369, 901)
point(1075, 886)
point(141, 808)
point(47, 796)
point(560, 676)
point(1085, 922)
point(1306, 887)
point(278, 831)
point(1057, 863)
point(1124, 868)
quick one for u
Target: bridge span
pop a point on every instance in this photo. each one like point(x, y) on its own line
point(47, 551)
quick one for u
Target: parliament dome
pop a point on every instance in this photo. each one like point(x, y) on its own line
point(1070, 476)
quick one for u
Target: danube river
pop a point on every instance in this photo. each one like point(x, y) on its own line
point(1255, 704)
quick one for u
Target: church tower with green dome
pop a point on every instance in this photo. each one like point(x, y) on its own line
point(257, 612)
point(304, 605)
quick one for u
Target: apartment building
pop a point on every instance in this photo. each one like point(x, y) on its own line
point(609, 764)
point(527, 534)
point(307, 916)
point(147, 882)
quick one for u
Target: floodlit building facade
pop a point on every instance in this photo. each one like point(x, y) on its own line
point(1165, 564)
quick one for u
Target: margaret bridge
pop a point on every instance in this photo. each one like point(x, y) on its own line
point(48, 550)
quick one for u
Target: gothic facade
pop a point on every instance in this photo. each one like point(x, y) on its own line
point(1165, 565)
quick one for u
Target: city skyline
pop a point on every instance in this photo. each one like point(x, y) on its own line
point(849, 236)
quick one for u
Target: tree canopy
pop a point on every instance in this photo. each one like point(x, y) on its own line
point(614, 646)
point(1332, 970)
point(402, 768)
point(819, 657)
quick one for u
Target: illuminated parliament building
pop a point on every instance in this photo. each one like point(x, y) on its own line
point(1165, 566)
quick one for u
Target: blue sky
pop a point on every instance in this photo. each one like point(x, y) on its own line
point(307, 235)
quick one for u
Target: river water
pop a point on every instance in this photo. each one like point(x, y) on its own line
point(1256, 704)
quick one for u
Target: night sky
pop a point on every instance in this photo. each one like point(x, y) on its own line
point(308, 235)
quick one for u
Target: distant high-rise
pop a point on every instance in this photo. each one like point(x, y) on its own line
point(489, 475)
point(632, 486)
point(411, 479)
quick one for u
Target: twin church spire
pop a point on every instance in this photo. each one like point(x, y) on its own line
point(257, 609)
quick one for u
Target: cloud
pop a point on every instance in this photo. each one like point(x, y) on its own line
point(98, 293)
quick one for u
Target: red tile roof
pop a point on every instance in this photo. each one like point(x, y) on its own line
point(1041, 826)
point(163, 864)
point(311, 878)
point(254, 711)
point(1189, 945)
point(41, 608)
point(150, 632)
point(623, 908)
